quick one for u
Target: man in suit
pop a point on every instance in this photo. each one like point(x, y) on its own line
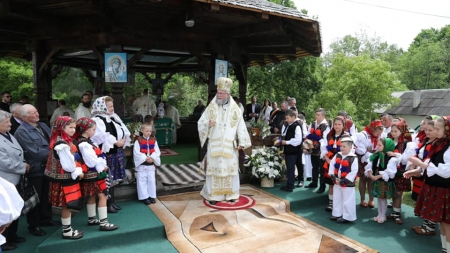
point(253, 110)
point(34, 138)
point(6, 100)
point(16, 121)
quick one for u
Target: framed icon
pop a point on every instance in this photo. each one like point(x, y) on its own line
point(221, 69)
point(116, 67)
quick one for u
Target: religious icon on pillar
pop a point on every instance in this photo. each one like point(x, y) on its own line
point(116, 67)
point(221, 69)
point(158, 86)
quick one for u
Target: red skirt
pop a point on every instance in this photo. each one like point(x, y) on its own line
point(90, 188)
point(56, 195)
point(402, 184)
point(433, 203)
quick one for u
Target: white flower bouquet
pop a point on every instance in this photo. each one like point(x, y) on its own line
point(266, 162)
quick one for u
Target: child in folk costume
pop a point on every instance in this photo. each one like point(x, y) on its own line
point(343, 171)
point(365, 144)
point(381, 169)
point(93, 183)
point(434, 203)
point(423, 153)
point(332, 147)
point(291, 135)
point(146, 155)
point(404, 148)
point(64, 172)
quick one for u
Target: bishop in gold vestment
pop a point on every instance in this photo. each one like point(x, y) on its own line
point(222, 124)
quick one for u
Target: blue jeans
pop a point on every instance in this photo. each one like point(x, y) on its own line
point(290, 166)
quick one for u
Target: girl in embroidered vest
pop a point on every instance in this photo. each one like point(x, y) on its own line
point(146, 156)
point(64, 171)
point(365, 144)
point(331, 149)
point(112, 136)
point(404, 148)
point(343, 170)
point(381, 169)
point(93, 184)
point(433, 203)
point(422, 152)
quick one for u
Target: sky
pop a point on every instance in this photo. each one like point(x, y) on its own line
point(398, 23)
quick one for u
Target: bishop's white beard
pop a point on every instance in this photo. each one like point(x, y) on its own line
point(221, 101)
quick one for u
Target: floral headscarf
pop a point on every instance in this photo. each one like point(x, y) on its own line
point(83, 124)
point(405, 134)
point(99, 107)
point(389, 145)
point(370, 128)
point(58, 130)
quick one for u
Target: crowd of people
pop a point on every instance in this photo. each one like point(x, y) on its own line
point(384, 156)
point(76, 163)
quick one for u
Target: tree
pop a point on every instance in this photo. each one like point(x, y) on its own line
point(16, 76)
point(358, 85)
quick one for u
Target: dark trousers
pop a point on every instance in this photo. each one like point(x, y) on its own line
point(10, 232)
point(299, 165)
point(290, 166)
point(42, 213)
point(317, 169)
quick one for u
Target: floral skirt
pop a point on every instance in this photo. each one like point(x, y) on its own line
point(116, 164)
point(89, 188)
point(402, 184)
point(383, 189)
point(56, 194)
point(433, 203)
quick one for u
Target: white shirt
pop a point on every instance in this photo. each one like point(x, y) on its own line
point(297, 140)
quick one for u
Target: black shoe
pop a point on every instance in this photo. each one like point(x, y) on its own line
point(147, 201)
point(286, 189)
point(50, 224)
point(37, 231)
point(300, 184)
point(152, 200)
point(212, 202)
point(342, 221)
point(311, 185)
point(389, 205)
point(116, 206)
point(329, 208)
point(17, 239)
point(8, 246)
point(108, 227)
point(308, 179)
point(321, 190)
point(334, 218)
point(231, 200)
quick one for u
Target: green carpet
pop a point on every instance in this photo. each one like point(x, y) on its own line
point(188, 154)
point(140, 231)
point(386, 237)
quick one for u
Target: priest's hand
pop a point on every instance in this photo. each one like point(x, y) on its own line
point(212, 123)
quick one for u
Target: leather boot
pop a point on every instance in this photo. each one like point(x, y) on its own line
point(113, 202)
point(110, 209)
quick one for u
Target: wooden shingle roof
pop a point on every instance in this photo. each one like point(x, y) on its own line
point(430, 102)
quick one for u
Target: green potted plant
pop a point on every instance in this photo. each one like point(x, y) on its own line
point(259, 128)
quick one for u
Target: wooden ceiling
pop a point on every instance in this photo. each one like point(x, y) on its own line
point(154, 34)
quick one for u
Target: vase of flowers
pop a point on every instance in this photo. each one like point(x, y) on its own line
point(266, 164)
point(259, 128)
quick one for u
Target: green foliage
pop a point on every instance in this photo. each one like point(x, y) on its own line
point(286, 3)
point(358, 85)
point(69, 85)
point(16, 76)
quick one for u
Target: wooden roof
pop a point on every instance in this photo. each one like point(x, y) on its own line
point(429, 102)
point(153, 32)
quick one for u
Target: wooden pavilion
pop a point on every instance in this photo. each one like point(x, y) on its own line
point(159, 36)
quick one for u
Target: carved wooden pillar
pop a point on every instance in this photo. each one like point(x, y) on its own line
point(241, 71)
point(41, 80)
point(212, 88)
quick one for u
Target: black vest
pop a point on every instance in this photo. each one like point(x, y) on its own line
point(436, 180)
point(110, 128)
point(290, 133)
point(376, 169)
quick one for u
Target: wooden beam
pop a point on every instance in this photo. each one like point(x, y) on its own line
point(266, 41)
point(215, 7)
point(47, 60)
point(168, 77)
point(99, 56)
point(272, 50)
point(252, 30)
point(274, 59)
point(181, 60)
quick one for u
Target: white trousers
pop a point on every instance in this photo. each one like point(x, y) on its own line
point(146, 184)
point(344, 203)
